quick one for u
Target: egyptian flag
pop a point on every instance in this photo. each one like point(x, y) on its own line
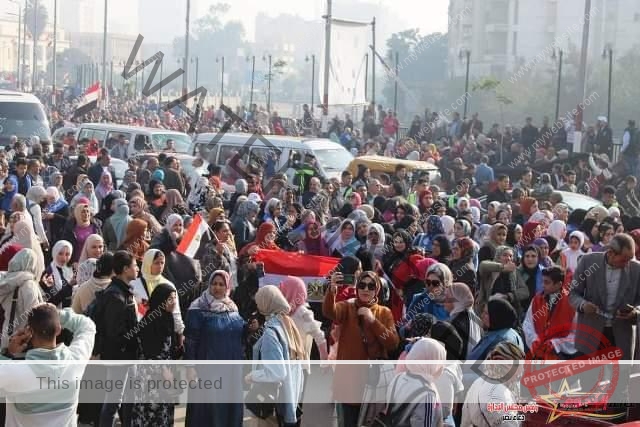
point(313, 270)
point(89, 101)
point(191, 240)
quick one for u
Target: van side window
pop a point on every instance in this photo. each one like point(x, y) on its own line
point(260, 156)
point(85, 134)
point(142, 143)
point(114, 136)
point(99, 135)
point(226, 153)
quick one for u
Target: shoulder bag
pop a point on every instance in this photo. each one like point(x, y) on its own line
point(262, 397)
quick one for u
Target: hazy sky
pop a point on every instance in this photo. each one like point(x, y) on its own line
point(429, 16)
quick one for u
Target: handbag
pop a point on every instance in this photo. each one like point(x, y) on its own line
point(262, 397)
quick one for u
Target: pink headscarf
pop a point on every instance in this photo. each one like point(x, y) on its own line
point(475, 202)
point(226, 277)
point(295, 291)
point(423, 265)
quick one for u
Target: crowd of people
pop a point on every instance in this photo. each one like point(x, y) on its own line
point(419, 276)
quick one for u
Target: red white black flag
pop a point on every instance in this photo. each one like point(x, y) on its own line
point(89, 100)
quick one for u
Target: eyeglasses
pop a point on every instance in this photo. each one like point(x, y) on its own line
point(367, 285)
point(434, 283)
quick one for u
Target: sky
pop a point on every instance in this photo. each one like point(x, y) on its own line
point(429, 16)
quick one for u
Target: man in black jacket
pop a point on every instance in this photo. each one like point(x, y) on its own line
point(116, 324)
point(500, 194)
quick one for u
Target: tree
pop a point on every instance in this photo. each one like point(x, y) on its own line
point(36, 16)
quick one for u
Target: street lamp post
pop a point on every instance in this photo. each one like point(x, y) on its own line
point(34, 71)
point(104, 53)
point(24, 46)
point(221, 61)
point(560, 56)
point(466, 53)
point(160, 90)
point(313, 79)
point(110, 78)
point(55, 43)
point(608, 52)
point(268, 84)
point(196, 60)
point(187, 32)
point(253, 71)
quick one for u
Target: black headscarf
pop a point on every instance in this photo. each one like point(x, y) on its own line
point(502, 315)
point(158, 322)
point(445, 248)
point(447, 334)
point(576, 217)
point(105, 208)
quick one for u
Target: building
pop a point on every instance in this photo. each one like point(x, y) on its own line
point(119, 46)
point(504, 34)
point(82, 16)
point(9, 48)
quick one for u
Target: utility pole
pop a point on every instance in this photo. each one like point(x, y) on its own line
point(24, 46)
point(582, 77)
point(104, 54)
point(608, 51)
point(366, 75)
point(185, 76)
point(268, 87)
point(34, 71)
point(55, 51)
point(560, 56)
point(327, 66)
point(253, 71)
point(373, 62)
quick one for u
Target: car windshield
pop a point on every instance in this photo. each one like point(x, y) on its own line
point(333, 159)
point(181, 142)
point(24, 119)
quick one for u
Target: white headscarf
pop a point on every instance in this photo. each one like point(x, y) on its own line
point(67, 272)
point(379, 249)
point(475, 214)
point(447, 224)
point(558, 230)
point(572, 256)
point(431, 350)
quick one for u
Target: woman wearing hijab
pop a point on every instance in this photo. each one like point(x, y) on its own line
point(79, 228)
point(213, 318)
point(448, 224)
point(150, 277)
point(199, 194)
point(530, 232)
point(139, 210)
point(20, 283)
point(179, 269)
point(105, 186)
point(497, 237)
point(492, 387)
point(280, 340)
point(499, 319)
point(514, 235)
point(312, 243)
point(530, 272)
point(413, 396)
point(441, 249)
point(243, 224)
point(399, 264)
point(175, 204)
point(26, 238)
point(86, 192)
point(367, 331)
point(375, 243)
point(543, 246)
point(93, 248)
point(114, 228)
point(94, 275)
point(136, 239)
point(433, 227)
point(55, 214)
point(156, 341)
point(499, 277)
point(461, 264)
point(156, 198)
point(36, 195)
point(571, 255)
point(459, 304)
point(107, 208)
point(58, 280)
point(343, 241)
point(295, 291)
point(558, 230)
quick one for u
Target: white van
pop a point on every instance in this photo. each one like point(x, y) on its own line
point(142, 138)
point(22, 115)
point(332, 158)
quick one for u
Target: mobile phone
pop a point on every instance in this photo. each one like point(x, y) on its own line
point(348, 279)
point(260, 270)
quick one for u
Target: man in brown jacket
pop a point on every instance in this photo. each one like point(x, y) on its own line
point(172, 178)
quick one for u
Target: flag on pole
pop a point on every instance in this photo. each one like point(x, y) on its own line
point(89, 100)
point(191, 240)
point(310, 268)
